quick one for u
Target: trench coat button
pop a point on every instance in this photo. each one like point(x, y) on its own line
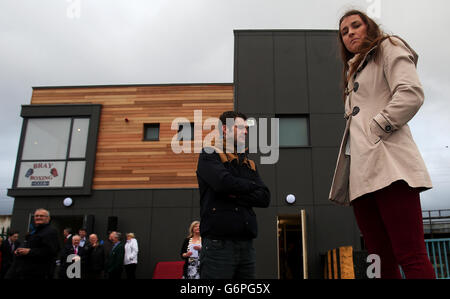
point(355, 87)
point(388, 128)
point(355, 110)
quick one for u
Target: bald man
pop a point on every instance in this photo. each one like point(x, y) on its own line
point(36, 259)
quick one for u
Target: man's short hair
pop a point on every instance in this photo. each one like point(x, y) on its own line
point(42, 209)
point(231, 114)
point(117, 234)
point(12, 233)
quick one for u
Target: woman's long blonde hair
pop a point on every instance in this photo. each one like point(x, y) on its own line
point(191, 227)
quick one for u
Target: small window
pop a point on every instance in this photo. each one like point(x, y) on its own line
point(293, 131)
point(151, 132)
point(185, 131)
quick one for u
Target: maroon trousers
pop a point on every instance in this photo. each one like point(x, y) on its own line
point(390, 220)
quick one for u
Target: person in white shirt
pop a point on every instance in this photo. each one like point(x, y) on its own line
point(131, 256)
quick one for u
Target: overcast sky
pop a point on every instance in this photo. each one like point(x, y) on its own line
point(98, 42)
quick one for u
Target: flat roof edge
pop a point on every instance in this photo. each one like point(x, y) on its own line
point(286, 30)
point(128, 85)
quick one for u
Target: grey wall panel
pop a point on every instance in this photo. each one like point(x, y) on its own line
point(98, 199)
point(335, 226)
point(19, 222)
point(266, 244)
point(294, 176)
point(324, 73)
point(268, 175)
point(172, 198)
point(324, 163)
point(196, 198)
point(326, 129)
point(133, 198)
point(31, 204)
point(168, 229)
point(291, 88)
point(254, 72)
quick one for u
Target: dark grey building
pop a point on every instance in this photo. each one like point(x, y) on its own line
point(295, 75)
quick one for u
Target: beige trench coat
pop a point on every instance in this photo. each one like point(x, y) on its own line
point(383, 96)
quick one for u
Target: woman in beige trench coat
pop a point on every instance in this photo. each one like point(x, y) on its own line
point(380, 171)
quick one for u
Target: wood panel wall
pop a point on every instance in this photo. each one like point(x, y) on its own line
point(124, 160)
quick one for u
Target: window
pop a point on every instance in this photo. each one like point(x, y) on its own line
point(54, 153)
point(56, 150)
point(185, 131)
point(293, 131)
point(151, 132)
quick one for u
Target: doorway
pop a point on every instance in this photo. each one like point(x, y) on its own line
point(292, 262)
point(62, 222)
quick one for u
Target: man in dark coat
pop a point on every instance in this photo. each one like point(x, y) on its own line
point(114, 265)
point(95, 258)
point(8, 247)
point(230, 187)
point(35, 259)
point(76, 249)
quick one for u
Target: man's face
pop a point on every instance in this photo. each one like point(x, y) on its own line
point(41, 217)
point(76, 241)
point(238, 131)
point(14, 237)
point(93, 239)
point(82, 233)
point(112, 237)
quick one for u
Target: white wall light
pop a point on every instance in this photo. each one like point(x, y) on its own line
point(290, 199)
point(67, 202)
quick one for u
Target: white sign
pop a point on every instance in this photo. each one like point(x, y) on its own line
point(41, 174)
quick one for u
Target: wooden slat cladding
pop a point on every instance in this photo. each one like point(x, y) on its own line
point(123, 159)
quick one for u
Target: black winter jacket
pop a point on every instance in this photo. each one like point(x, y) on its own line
point(39, 262)
point(228, 191)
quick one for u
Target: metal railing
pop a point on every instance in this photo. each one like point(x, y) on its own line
point(436, 222)
point(439, 255)
point(4, 233)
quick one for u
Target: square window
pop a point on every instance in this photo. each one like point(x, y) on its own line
point(151, 132)
point(185, 131)
point(46, 139)
point(293, 131)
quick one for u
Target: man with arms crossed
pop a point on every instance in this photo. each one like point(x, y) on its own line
point(230, 187)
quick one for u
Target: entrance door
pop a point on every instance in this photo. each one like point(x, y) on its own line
point(62, 222)
point(292, 255)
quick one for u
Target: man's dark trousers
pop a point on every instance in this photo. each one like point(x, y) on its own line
point(227, 259)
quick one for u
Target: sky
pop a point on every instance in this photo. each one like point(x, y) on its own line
point(107, 42)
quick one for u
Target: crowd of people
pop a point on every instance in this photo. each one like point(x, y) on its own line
point(42, 256)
